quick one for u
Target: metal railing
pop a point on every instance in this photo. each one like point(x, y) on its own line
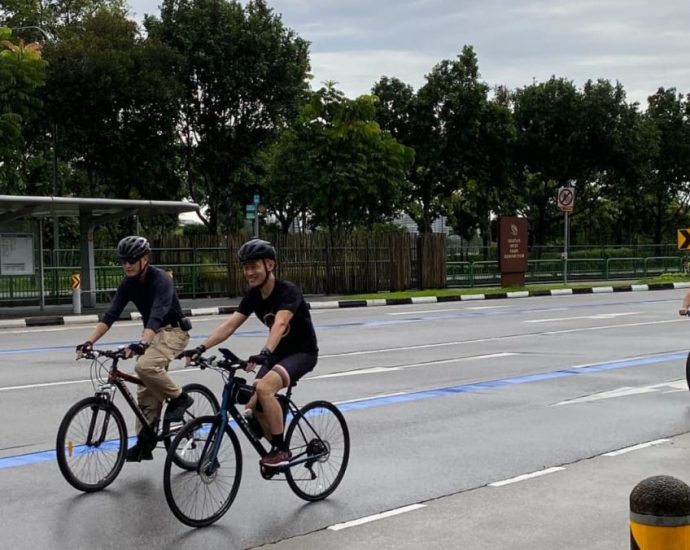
point(195, 280)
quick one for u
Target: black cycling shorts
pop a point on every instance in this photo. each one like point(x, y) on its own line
point(291, 367)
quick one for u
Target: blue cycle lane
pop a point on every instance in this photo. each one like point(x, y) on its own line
point(383, 401)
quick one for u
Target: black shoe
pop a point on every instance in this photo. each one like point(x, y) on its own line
point(177, 407)
point(139, 452)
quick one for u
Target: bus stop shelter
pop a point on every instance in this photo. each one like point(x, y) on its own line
point(91, 213)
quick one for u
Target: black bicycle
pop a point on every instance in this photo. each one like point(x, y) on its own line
point(92, 438)
point(316, 435)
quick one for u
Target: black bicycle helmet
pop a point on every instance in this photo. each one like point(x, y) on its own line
point(256, 249)
point(132, 248)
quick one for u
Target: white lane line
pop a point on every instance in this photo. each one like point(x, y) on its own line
point(67, 382)
point(393, 368)
point(426, 311)
point(43, 385)
point(526, 476)
point(637, 447)
point(604, 327)
point(375, 517)
point(597, 316)
point(437, 310)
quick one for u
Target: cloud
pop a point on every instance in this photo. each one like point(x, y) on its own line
point(642, 44)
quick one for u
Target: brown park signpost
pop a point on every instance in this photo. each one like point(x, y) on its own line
point(512, 250)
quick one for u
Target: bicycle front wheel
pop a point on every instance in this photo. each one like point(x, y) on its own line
point(202, 495)
point(320, 445)
point(91, 444)
point(205, 404)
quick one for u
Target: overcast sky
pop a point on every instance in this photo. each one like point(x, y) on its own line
point(642, 44)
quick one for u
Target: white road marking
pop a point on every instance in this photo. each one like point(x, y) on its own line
point(376, 370)
point(526, 476)
point(43, 385)
point(604, 327)
point(637, 447)
point(426, 311)
point(375, 517)
point(412, 312)
point(597, 316)
point(84, 381)
point(626, 391)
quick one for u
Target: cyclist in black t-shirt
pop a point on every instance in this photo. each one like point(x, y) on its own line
point(290, 350)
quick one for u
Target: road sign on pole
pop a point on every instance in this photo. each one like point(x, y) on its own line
point(684, 239)
point(566, 199)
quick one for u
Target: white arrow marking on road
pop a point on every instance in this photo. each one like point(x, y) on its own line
point(626, 391)
point(598, 316)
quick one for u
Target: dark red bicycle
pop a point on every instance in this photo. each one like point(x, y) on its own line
point(92, 439)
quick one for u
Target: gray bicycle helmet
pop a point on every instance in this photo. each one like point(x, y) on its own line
point(256, 249)
point(132, 248)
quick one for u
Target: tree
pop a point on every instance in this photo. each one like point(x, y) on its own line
point(22, 73)
point(115, 98)
point(669, 112)
point(244, 75)
point(550, 149)
point(461, 140)
point(52, 16)
point(336, 164)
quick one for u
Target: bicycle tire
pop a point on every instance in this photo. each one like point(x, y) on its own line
point(199, 497)
point(324, 436)
point(687, 371)
point(91, 468)
point(205, 404)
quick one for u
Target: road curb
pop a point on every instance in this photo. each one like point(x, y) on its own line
point(336, 304)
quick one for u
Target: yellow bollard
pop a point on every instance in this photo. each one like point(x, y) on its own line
point(660, 514)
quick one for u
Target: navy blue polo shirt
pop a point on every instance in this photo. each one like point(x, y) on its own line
point(154, 296)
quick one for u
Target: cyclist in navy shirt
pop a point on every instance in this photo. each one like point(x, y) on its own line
point(290, 350)
point(164, 336)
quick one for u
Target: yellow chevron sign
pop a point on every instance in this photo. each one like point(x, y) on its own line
point(683, 239)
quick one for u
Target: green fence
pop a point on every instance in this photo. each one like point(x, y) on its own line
point(480, 273)
point(194, 279)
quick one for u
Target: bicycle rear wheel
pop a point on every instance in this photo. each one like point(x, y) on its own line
point(319, 435)
point(687, 370)
point(205, 404)
point(202, 495)
point(91, 444)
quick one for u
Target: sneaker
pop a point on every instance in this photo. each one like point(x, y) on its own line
point(276, 458)
point(143, 448)
point(139, 452)
point(177, 406)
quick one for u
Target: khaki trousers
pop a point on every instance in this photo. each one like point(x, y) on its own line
point(152, 368)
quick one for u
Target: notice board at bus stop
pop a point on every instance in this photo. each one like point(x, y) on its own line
point(512, 250)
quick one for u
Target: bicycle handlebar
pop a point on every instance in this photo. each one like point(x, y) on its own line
point(230, 361)
point(111, 354)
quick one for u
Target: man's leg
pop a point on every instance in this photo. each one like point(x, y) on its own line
point(152, 369)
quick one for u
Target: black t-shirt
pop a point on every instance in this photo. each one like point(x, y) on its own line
point(154, 296)
point(300, 335)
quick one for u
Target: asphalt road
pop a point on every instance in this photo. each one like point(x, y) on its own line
point(477, 425)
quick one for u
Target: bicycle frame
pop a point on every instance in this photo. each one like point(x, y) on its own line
point(228, 406)
point(117, 378)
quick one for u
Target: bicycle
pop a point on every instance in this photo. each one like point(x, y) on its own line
point(92, 438)
point(317, 436)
